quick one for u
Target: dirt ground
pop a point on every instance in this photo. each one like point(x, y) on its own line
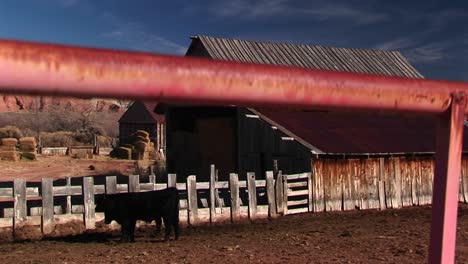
point(390, 236)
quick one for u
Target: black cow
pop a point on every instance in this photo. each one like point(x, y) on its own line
point(127, 208)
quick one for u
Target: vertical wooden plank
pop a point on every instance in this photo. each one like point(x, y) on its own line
point(133, 183)
point(234, 190)
point(152, 180)
point(355, 183)
point(319, 202)
point(405, 183)
point(461, 192)
point(20, 208)
point(346, 182)
point(285, 194)
point(88, 200)
point(279, 192)
point(252, 191)
point(192, 200)
point(212, 193)
point(389, 186)
point(171, 180)
point(414, 169)
point(372, 183)
point(68, 210)
point(332, 185)
point(382, 204)
point(111, 184)
point(397, 202)
point(270, 186)
point(310, 199)
point(47, 219)
point(465, 178)
point(364, 175)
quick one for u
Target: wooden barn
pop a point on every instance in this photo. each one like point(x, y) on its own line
point(143, 116)
point(239, 139)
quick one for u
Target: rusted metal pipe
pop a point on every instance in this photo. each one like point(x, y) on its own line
point(34, 68)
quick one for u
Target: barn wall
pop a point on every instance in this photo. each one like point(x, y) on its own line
point(260, 144)
point(372, 183)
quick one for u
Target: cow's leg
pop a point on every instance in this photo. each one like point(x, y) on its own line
point(158, 224)
point(175, 222)
point(124, 231)
point(167, 224)
point(131, 230)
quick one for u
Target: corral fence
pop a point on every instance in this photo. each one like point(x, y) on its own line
point(57, 202)
point(85, 151)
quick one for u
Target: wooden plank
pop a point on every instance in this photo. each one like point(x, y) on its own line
point(47, 220)
point(171, 180)
point(297, 211)
point(319, 202)
point(347, 180)
point(332, 186)
point(192, 200)
point(427, 172)
point(298, 202)
point(298, 193)
point(461, 192)
point(310, 194)
point(20, 207)
point(285, 195)
point(88, 203)
point(389, 186)
point(372, 170)
point(68, 208)
point(235, 203)
point(111, 184)
point(413, 168)
point(212, 193)
point(270, 186)
point(133, 183)
point(297, 184)
point(381, 184)
point(361, 184)
point(279, 193)
point(465, 178)
point(67, 190)
point(296, 176)
point(222, 184)
point(355, 182)
point(397, 202)
point(252, 191)
point(406, 195)
point(152, 179)
point(6, 192)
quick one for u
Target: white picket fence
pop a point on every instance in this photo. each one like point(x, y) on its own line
point(200, 201)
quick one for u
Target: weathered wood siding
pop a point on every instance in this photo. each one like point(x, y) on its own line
point(376, 182)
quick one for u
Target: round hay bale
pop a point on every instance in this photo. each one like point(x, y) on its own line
point(29, 155)
point(140, 146)
point(9, 141)
point(9, 155)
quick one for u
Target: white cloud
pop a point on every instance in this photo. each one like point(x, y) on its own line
point(135, 36)
point(321, 11)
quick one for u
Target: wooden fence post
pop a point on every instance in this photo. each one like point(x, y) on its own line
point(171, 180)
point(20, 207)
point(285, 194)
point(310, 192)
point(47, 220)
point(133, 183)
point(279, 194)
point(111, 184)
point(234, 189)
point(152, 180)
point(382, 184)
point(212, 193)
point(270, 186)
point(192, 199)
point(88, 203)
point(252, 191)
point(68, 208)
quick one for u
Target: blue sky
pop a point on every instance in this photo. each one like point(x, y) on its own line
point(433, 35)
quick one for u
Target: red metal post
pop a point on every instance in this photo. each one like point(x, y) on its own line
point(446, 179)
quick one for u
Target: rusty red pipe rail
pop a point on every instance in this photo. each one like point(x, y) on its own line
point(34, 68)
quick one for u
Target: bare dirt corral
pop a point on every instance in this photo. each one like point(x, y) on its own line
point(391, 236)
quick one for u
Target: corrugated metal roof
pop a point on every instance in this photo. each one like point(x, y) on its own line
point(379, 62)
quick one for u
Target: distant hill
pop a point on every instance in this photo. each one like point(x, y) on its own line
point(24, 103)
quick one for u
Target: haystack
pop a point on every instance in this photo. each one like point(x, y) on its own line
point(29, 155)
point(9, 155)
point(9, 142)
point(28, 144)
